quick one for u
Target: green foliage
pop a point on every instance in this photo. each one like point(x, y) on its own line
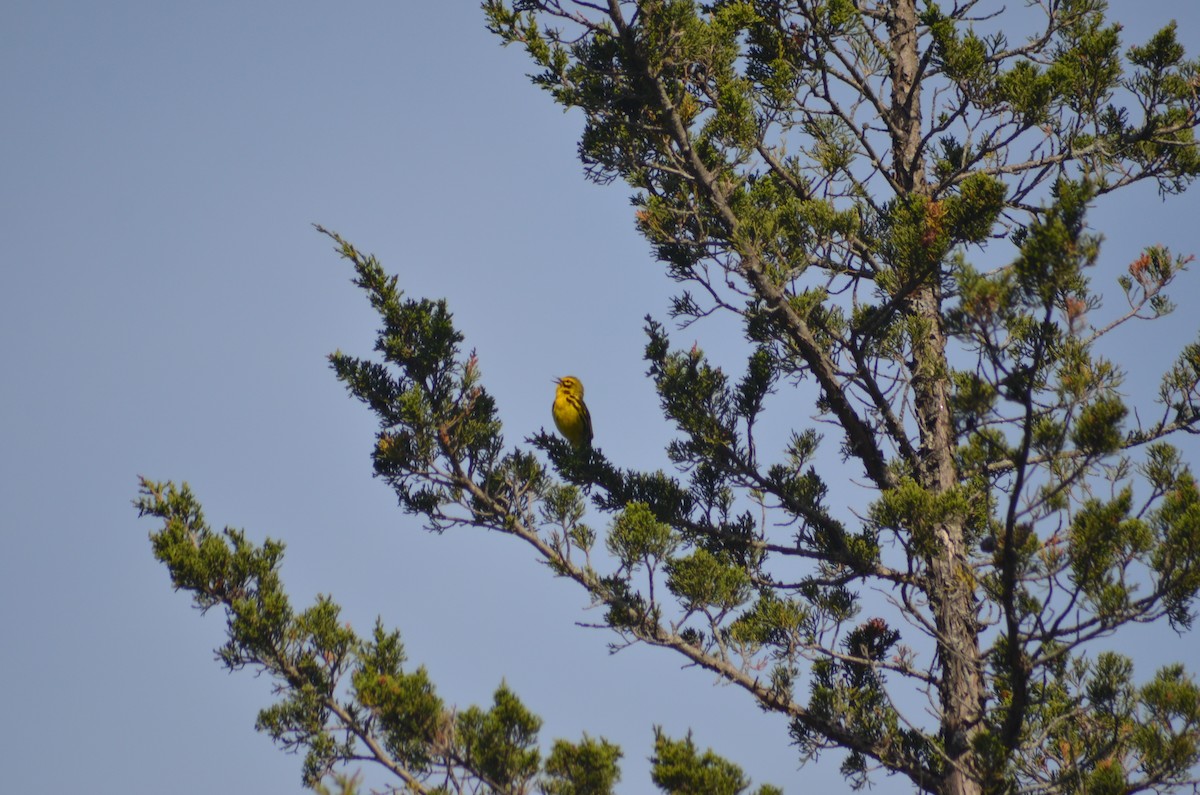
point(343, 699)
point(588, 768)
point(1056, 248)
point(1097, 430)
point(702, 581)
point(1175, 557)
point(772, 620)
point(501, 743)
point(430, 406)
point(1106, 539)
point(409, 713)
point(304, 652)
point(917, 512)
point(972, 213)
point(637, 538)
point(1088, 64)
point(1096, 720)
point(679, 769)
point(826, 173)
point(1166, 736)
point(346, 785)
point(962, 59)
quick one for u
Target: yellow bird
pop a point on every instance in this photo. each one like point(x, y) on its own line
point(571, 413)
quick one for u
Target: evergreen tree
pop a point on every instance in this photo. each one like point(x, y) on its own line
point(843, 176)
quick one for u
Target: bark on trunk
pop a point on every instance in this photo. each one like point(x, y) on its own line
point(951, 588)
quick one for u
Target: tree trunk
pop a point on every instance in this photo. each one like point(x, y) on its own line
point(950, 586)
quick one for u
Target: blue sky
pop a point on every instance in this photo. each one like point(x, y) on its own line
point(166, 310)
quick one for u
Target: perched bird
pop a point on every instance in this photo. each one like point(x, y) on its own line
point(571, 413)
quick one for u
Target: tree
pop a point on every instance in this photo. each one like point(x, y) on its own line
point(892, 198)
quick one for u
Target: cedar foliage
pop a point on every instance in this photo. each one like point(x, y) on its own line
point(843, 177)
